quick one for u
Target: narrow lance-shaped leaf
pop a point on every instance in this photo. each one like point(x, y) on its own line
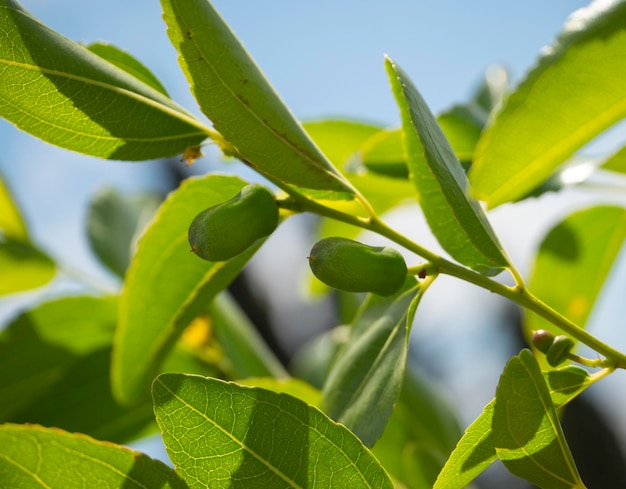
point(128, 63)
point(220, 434)
point(527, 434)
point(167, 286)
point(573, 263)
point(456, 219)
point(575, 92)
point(365, 382)
point(57, 90)
point(12, 223)
point(34, 457)
point(244, 108)
point(476, 451)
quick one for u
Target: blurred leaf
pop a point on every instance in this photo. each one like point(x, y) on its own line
point(114, 222)
point(339, 139)
point(12, 224)
point(492, 89)
point(40, 346)
point(573, 262)
point(527, 434)
point(454, 217)
point(475, 450)
point(220, 434)
point(383, 154)
point(244, 108)
point(365, 382)
point(23, 267)
point(420, 435)
point(245, 349)
point(54, 371)
point(57, 90)
point(575, 92)
point(167, 286)
point(128, 63)
point(462, 126)
point(294, 387)
point(36, 457)
point(616, 162)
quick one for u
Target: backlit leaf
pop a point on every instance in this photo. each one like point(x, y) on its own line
point(456, 219)
point(616, 162)
point(12, 224)
point(244, 108)
point(37, 457)
point(23, 267)
point(167, 286)
point(223, 435)
point(57, 90)
point(575, 92)
point(365, 381)
point(527, 434)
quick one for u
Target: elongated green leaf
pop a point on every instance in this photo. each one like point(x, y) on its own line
point(339, 139)
point(23, 267)
point(573, 263)
point(36, 457)
point(616, 162)
point(292, 386)
point(128, 63)
point(365, 382)
point(243, 107)
point(220, 434)
point(527, 434)
point(475, 451)
point(383, 154)
point(59, 91)
point(455, 218)
point(167, 286)
point(114, 222)
point(12, 224)
point(247, 353)
point(420, 435)
point(462, 126)
point(573, 94)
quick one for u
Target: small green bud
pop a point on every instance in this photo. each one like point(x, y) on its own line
point(227, 229)
point(559, 350)
point(355, 267)
point(542, 340)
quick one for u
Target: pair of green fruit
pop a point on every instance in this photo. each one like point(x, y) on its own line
point(225, 230)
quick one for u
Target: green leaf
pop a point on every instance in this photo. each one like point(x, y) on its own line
point(247, 353)
point(23, 267)
point(40, 345)
point(294, 387)
point(114, 222)
point(244, 108)
point(128, 63)
point(219, 434)
point(573, 94)
point(475, 450)
point(527, 434)
point(339, 139)
point(57, 90)
point(455, 218)
point(462, 126)
point(616, 162)
point(36, 457)
point(12, 223)
point(573, 262)
point(383, 154)
point(420, 435)
point(365, 382)
point(167, 286)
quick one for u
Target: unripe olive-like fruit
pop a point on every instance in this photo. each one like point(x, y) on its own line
point(227, 229)
point(355, 267)
point(559, 350)
point(542, 340)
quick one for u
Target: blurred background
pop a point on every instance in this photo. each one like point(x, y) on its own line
point(326, 60)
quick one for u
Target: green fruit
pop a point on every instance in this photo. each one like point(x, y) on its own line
point(227, 229)
point(354, 267)
point(559, 350)
point(542, 340)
